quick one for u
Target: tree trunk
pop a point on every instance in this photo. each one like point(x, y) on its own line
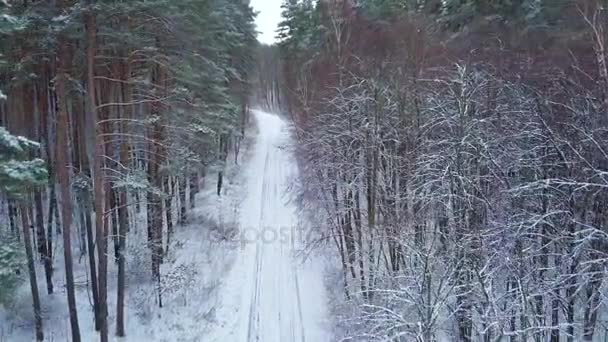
point(112, 208)
point(170, 189)
point(46, 131)
point(463, 307)
point(86, 208)
point(123, 213)
point(356, 212)
point(556, 301)
point(64, 182)
point(543, 264)
point(182, 200)
point(51, 214)
point(32, 274)
point(123, 226)
point(570, 303)
point(42, 243)
point(98, 177)
point(571, 286)
point(91, 254)
point(593, 289)
point(220, 180)
point(53, 211)
point(194, 188)
point(30, 213)
point(41, 135)
point(12, 217)
point(592, 307)
point(155, 218)
point(223, 152)
point(156, 160)
point(78, 159)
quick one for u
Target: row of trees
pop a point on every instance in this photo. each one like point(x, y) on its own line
point(268, 80)
point(462, 164)
point(121, 107)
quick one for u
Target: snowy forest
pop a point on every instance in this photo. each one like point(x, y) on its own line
point(110, 110)
point(439, 168)
point(458, 150)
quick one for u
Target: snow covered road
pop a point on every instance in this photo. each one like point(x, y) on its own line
point(271, 295)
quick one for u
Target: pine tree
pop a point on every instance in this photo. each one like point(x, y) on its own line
point(114, 76)
point(19, 174)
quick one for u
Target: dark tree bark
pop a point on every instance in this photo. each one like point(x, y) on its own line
point(123, 220)
point(64, 182)
point(112, 207)
point(52, 208)
point(45, 134)
point(32, 273)
point(86, 209)
point(169, 189)
point(123, 214)
point(182, 200)
point(220, 180)
point(156, 157)
point(98, 177)
point(77, 160)
point(42, 242)
point(42, 135)
point(194, 188)
point(12, 218)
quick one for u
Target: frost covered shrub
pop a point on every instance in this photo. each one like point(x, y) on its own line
point(138, 262)
point(12, 264)
point(178, 281)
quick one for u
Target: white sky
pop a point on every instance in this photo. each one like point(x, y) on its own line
point(268, 19)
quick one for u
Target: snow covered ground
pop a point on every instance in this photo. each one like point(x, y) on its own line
point(233, 273)
point(199, 258)
point(271, 295)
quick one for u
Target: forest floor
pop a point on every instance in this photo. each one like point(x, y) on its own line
point(198, 259)
point(233, 272)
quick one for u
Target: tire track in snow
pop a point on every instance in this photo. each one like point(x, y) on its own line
point(254, 313)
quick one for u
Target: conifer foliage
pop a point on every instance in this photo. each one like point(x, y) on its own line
point(112, 109)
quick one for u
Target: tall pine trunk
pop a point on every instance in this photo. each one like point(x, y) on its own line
point(42, 242)
point(194, 188)
point(182, 200)
point(64, 183)
point(86, 204)
point(32, 272)
point(113, 213)
point(98, 177)
point(154, 199)
point(123, 217)
point(170, 189)
point(12, 218)
point(123, 228)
